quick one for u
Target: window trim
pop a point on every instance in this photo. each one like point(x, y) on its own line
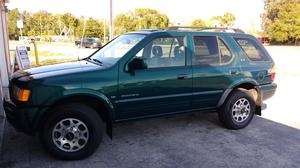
point(229, 49)
point(259, 47)
point(154, 68)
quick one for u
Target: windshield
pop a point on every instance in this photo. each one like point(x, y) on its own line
point(116, 49)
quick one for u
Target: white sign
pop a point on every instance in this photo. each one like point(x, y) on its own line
point(21, 57)
point(20, 24)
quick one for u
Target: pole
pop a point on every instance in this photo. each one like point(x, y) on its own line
point(36, 53)
point(104, 31)
point(21, 34)
point(111, 29)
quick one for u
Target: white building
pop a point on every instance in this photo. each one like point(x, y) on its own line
point(4, 53)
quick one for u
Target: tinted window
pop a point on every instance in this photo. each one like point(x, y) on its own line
point(206, 50)
point(164, 52)
point(252, 49)
point(225, 53)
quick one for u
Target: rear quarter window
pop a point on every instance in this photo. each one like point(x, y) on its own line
point(252, 49)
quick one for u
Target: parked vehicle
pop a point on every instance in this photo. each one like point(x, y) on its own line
point(138, 75)
point(89, 43)
point(264, 39)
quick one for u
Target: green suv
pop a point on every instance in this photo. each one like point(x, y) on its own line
point(142, 74)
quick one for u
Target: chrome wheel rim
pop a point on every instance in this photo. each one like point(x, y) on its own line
point(70, 135)
point(241, 110)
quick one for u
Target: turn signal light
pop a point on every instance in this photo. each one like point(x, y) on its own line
point(273, 73)
point(24, 95)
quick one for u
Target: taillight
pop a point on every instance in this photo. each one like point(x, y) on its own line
point(273, 73)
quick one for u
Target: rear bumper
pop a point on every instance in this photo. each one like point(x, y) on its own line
point(268, 90)
point(21, 118)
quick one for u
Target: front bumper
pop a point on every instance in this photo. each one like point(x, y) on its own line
point(21, 118)
point(268, 90)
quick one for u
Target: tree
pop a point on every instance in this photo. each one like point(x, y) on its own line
point(281, 20)
point(124, 23)
point(13, 16)
point(68, 23)
point(198, 22)
point(150, 19)
point(93, 28)
point(40, 24)
point(226, 20)
point(142, 18)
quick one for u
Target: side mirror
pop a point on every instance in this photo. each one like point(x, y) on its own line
point(137, 64)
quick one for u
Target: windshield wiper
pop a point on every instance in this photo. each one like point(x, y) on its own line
point(94, 60)
point(98, 61)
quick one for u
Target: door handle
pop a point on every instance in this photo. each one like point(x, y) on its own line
point(233, 71)
point(182, 76)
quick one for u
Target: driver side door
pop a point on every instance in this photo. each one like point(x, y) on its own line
point(165, 86)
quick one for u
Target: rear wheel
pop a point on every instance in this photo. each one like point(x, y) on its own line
point(72, 131)
point(238, 110)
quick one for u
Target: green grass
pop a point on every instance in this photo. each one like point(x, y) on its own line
point(51, 62)
point(46, 53)
point(43, 43)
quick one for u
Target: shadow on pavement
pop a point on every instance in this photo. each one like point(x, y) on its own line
point(196, 140)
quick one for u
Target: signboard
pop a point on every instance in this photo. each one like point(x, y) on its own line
point(20, 24)
point(21, 58)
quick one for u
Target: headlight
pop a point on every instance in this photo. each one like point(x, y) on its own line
point(21, 94)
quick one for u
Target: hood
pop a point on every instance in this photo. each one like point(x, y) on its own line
point(58, 69)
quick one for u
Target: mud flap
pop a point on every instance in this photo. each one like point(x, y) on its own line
point(109, 129)
point(258, 110)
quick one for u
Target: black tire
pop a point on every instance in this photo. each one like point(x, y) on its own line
point(73, 112)
point(226, 114)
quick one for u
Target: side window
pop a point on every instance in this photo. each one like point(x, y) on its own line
point(206, 50)
point(225, 53)
point(252, 49)
point(164, 52)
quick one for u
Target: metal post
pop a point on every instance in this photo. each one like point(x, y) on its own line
point(111, 29)
point(21, 33)
point(104, 31)
point(36, 54)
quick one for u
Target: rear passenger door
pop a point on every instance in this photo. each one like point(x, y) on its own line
point(213, 70)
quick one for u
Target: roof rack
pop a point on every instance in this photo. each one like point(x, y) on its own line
point(203, 28)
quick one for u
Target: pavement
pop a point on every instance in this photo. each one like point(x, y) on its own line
point(196, 140)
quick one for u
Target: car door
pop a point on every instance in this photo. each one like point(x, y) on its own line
point(165, 86)
point(214, 69)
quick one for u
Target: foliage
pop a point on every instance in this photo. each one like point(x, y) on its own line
point(281, 20)
point(226, 20)
point(142, 18)
point(13, 16)
point(44, 24)
point(198, 22)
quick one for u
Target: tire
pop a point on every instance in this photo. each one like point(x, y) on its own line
point(238, 110)
point(58, 135)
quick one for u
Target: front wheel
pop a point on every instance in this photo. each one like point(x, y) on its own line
point(72, 132)
point(238, 110)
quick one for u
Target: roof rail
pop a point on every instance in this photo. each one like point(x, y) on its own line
point(203, 28)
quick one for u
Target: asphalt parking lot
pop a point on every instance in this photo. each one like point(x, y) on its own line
point(194, 140)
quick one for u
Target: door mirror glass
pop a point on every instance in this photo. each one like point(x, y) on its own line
point(137, 64)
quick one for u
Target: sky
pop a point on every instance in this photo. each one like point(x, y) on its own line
point(247, 12)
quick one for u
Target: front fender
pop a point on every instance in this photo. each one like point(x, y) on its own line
point(89, 92)
point(68, 94)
